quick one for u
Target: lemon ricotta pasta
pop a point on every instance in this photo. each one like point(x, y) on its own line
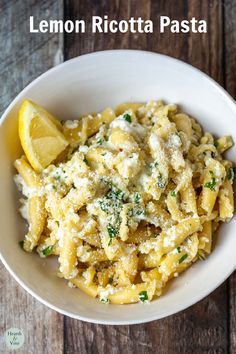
point(125, 199)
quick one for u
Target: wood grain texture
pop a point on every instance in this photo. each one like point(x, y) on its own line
point(202, 328)
point(230, 85)
point(230, 46)
point(210, 325)
point(24, 56)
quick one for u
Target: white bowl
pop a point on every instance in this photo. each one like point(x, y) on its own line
point(90, 83)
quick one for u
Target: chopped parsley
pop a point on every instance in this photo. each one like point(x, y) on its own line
point(103, 205)
point(99, 141)
point(104, 153)
point(178, 249)
point(127, 117)
point(231, 173)
point(137, 198)
point(164, 255)
point(112, 232)
point(47, 251)
point(173, 194)
point(115, 193)
point(21, 244)
point(111, 206)
point(110, 279)
point(105, 300)
point(183, 258)
point(54, 187)
point(211, 184)
point(160, 181)
point(135, 212)
point(143, 296)
point(216, 143)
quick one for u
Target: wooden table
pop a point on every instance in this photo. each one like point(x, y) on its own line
point(210, 325)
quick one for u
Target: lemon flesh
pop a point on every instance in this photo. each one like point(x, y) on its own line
point(40, 135)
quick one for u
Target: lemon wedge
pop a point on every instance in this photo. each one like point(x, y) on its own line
point(40, 135)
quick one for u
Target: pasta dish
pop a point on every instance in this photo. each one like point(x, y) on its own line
point(127, 199)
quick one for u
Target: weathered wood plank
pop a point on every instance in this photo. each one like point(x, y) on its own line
point(42, 327)
point(230, 46)
point(200, 329)
point(203, 327)
point(232, 313)
point(23, 56)
point(230, 85)
point(206, 50)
